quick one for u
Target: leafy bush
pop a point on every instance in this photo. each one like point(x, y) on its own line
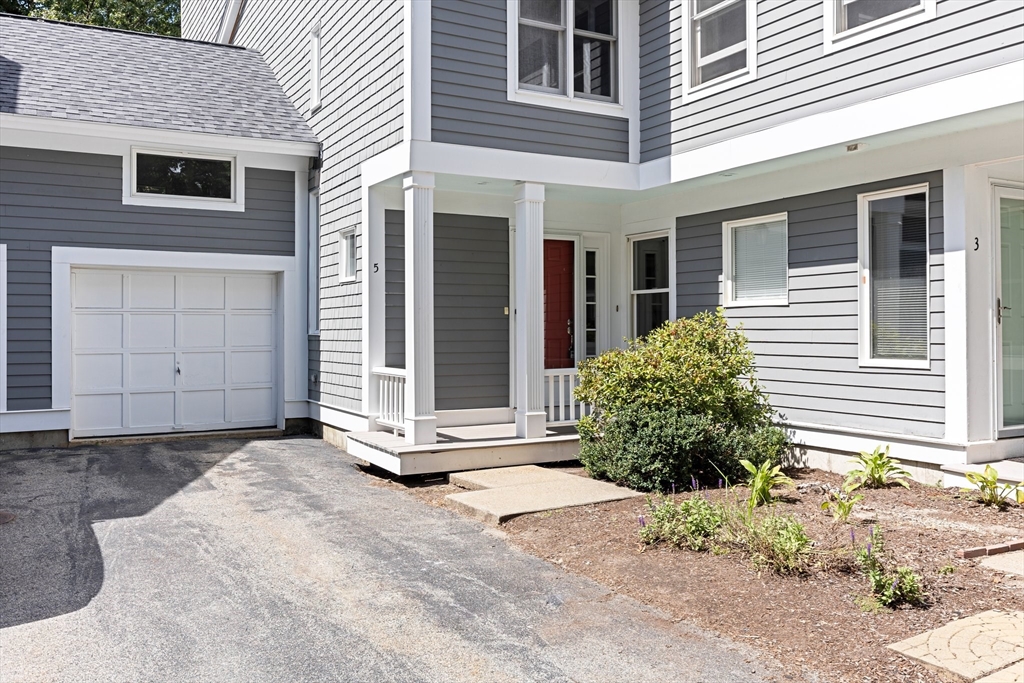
point(876, 470)
point(775, 542)
point(693, 523)
point(650, 450)
point(762, 480)
point(680, 404)
point(890, 585)
point(990, 491)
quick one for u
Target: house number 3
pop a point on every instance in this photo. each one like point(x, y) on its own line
point(976, 245)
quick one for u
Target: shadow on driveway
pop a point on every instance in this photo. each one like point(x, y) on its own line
point(50, 560)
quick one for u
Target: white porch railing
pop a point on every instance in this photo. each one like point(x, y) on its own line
point(560, 404)
point(390, 397)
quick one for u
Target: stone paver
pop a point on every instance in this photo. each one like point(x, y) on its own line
point(493, 506)
point(1011, 674)
point(1008, 563)
point(505, 476)
point(971, 647)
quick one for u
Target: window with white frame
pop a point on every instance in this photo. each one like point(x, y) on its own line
point(314, 67)
point(313, 266)
point(348, 255)
point(183, 174)
point(590, 302)
point(894, 277)
point(756, 261)
point(650, 284)
point(722, 34)
point(849, 22)
point(568, 47)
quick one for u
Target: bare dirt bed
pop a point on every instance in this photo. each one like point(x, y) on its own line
point(811, 622)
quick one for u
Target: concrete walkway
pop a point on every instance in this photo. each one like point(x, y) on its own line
point(279, 560)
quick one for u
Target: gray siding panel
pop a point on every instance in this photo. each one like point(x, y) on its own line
point(655, 77)
point(807, 351)
point(50, 198)
point(360, 117)
point(469, 101)
point(796, 79)
point(471, 291)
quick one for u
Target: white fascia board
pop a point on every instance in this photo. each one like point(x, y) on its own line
point(904, 447)
point(228, 19)
point(62, 133)
point(34, 420)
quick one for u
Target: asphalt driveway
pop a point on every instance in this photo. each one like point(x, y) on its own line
point(279, 560)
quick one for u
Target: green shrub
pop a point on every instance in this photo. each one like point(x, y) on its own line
point(693, 523)
point(876, 470)
point(778, 543)
point(763, 478)
point(890, 585)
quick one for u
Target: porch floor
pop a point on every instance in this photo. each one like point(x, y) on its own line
point(463, 448)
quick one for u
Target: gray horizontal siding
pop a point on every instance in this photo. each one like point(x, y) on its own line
point(360, 117)
point(52, 198)
point(655, 76)
point(796, 79)
point(469, 93)
point(807, 353)
point(471, 291)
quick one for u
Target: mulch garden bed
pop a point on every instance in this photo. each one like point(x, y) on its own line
point(811, 623)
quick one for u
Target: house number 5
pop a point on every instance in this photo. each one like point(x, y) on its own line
point(376, 267)
point(976, 245)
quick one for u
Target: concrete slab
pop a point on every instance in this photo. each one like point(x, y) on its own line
point(493, 506)
point(971, 647)
point(1008, 563)
point(505, 476)
point(1011, 674)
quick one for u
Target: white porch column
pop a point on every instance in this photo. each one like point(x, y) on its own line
point(530, 415)
point(420, 422)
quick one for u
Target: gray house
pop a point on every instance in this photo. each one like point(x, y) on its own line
point(510, 186)
point(153, 198)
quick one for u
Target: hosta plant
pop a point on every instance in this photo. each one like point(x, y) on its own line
point(991, 492)
point(762, 480)
point(876, 470)
point(841, 504)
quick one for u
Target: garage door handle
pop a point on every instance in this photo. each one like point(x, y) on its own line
point(178, 369)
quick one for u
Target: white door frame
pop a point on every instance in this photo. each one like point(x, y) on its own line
point(290, 333)
point(1014, 190)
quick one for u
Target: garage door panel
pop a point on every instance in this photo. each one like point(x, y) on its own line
point(98, 330)
point(253, 292)
point(203, 368)
point(151, 290)
point(202, 330)
point(98, 372)
point(252, 367)
point(98, 411)
point(155, 409)
point(252, 329)
point(150, 370)
point(151, 330)
point(98, 289)
point(252, 404)
point(202, 407)
point(202, 292)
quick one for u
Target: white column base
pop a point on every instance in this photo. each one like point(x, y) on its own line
point(420, 430)
point(531, 425)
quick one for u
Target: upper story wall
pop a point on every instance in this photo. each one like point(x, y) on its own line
point(469, 93)
point(795, 78)
point(200, 19)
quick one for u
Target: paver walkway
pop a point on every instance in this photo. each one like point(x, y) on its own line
point(506, 492)
point(989, 644)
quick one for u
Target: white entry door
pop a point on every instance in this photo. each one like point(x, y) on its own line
point(164, 352)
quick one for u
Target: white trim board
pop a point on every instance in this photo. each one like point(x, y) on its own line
point(3, 327)
point(34, 420)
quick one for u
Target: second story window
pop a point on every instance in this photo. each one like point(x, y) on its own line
point(849, 22)
point(718, 39)
point(568, 47)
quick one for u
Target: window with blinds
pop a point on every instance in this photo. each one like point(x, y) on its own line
point(894, 263)
point(756, 261)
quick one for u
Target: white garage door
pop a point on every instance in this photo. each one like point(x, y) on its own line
point(165, 352)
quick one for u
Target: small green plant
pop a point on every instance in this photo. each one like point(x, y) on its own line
point(841, 504)
point(876, 470)
point(778, 543)
point(990, 491)
point(946, 570)
point(762, 480)
point(890, 586)
point(692, 523)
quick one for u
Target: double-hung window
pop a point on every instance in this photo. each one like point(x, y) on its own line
point(347, 255)
point(722, 34)
point(566, 48)
point(756, 261)
point(849, 22)
point(894, 311)
point(650, 290)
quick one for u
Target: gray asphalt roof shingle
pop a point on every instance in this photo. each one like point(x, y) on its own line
point(85, 73)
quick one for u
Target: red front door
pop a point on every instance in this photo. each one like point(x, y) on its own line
point(559, 310)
